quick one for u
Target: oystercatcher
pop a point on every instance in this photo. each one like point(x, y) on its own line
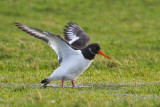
point(74, 53)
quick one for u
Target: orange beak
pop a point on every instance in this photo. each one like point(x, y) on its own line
point(104, 54)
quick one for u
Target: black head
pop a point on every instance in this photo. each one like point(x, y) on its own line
point(91, 50)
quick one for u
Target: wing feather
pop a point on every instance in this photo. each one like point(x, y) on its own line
point(76, 36)
point(58, 44)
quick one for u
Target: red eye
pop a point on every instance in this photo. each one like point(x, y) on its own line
point(94, 47)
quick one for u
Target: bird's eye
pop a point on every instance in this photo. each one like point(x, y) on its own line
point(94, 47)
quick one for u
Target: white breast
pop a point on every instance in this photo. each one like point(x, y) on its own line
point(71, 68)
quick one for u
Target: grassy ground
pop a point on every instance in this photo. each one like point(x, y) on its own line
point(128, 32)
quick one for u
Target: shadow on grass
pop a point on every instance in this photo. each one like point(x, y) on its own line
point(95, 86)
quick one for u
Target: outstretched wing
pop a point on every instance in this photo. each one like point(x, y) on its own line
point(58, 44)
point(76, 36)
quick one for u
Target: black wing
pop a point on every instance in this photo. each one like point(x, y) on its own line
point(76, 36)
point(58, 44)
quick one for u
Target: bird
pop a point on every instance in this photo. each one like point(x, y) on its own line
point(75, 54)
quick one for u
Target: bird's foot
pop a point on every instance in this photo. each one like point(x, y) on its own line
point(62, 82)
point(72, 83)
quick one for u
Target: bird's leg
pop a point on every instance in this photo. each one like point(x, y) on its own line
point(62, 81)
point(72, 83)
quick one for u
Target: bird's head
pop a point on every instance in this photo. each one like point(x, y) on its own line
point(94, 49)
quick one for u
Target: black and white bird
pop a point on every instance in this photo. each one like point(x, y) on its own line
point(74, 53)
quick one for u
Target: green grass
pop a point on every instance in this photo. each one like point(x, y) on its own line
point(127, 31)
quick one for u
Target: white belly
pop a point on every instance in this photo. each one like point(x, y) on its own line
point(71, 68)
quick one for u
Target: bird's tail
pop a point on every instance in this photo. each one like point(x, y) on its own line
point(45, 81)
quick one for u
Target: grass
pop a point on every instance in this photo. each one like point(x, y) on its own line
point(128, 32)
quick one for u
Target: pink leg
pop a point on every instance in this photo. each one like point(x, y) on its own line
point(72, 83)
point(62, 81)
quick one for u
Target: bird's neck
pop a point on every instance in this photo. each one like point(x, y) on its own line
point(88, 54)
